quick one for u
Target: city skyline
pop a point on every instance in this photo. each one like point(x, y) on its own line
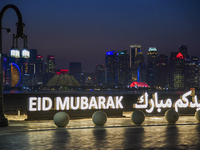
point(83, 31)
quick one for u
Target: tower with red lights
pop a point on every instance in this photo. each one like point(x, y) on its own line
point(177, 71)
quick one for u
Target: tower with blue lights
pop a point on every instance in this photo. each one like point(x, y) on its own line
point(110, 67)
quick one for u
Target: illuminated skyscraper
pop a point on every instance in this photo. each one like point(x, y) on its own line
point(39, 69)
point(179, 71)
point(192, 72)
point(151, 66)
point(134, 49)
point(15, 75)
point(171, 69)
point(50, 64)
point(110, 67)
point(139, 70)
point(122, 67)
point(49, 68)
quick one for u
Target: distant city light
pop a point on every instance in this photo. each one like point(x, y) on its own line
point(110, 53)
point(152, 49)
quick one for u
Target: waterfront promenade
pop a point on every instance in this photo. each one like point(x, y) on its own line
point(117, 133)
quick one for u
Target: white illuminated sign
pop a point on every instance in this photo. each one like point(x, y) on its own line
point(74, 103)
point(151, 104)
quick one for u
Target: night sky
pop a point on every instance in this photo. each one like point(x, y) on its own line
point(84, 30)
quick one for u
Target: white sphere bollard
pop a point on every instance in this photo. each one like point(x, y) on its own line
point(197, 115)
point(171, 116)
point(138, 117)
point(61, 119)
point(99, 118)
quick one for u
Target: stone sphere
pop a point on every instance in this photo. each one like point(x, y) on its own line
point(99, 118)
point(171, 116)
point(197, 115)
point(138, 117)
point(61, 119)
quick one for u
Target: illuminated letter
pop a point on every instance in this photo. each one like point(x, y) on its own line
point(143, 99)
point(151, 107)
point(93, 103)
point(101, 101)
point(168, 103)
point(32, 103)
point(61, 105)
point(39, 103)
point(155, 97)
point(48, 101)
point(194, 102)
point(77, 103)
point(185, 99)
point(110, 103)
point(118, 102)
point(177, 104)
point(84, 102)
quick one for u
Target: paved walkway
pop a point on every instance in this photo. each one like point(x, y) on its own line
point(117, 133)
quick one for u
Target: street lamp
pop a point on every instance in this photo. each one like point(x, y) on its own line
point(20, 33)
point(14, 52)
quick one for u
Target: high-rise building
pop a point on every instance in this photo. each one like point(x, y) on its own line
point(33, 55)
point(183, 51)
point(99, 74)
point(122, 67)
point(171, 69)
point(75, 70)
point(39, 69)
point(49, 68)
point(192, 72)
point(39, 65)
point(133, 53)
point(139, 69)
point(74, 67)
point(110, 67)
point(5, 70)
point(151, 66)
point(50, 64)
point(179, 71)
point(162, 72)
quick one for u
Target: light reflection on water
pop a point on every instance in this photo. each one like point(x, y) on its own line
point(137, 137)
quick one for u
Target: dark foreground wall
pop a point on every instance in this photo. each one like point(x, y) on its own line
point(19, 101)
